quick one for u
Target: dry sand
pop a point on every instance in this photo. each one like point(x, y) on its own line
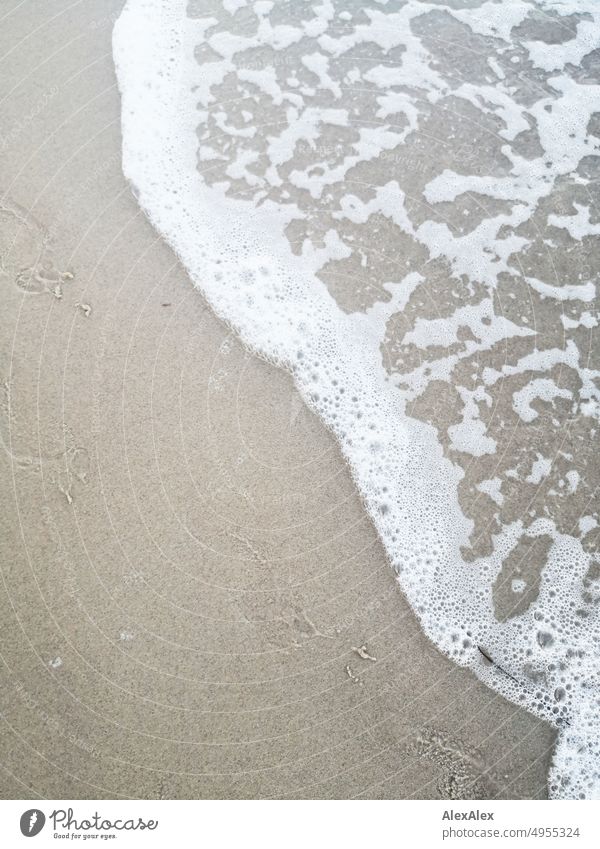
point(187, 570)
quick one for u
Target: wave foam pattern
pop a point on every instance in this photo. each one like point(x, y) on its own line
point(395, 201)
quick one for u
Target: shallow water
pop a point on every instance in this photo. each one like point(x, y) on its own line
point(396, 202)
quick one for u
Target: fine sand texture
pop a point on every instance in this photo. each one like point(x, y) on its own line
point(193, 602)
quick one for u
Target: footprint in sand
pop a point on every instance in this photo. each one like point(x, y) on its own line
point(26, 253)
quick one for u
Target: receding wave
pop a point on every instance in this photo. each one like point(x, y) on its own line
point(395, 201)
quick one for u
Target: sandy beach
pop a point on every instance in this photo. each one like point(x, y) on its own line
point(194, 602)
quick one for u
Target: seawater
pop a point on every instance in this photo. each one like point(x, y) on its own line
point(395, 201)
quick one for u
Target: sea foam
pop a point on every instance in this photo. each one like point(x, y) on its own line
point(242, 124)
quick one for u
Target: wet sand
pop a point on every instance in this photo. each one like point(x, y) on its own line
point(194, 603)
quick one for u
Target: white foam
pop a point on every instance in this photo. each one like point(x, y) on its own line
point(237, 256)
point(566, 291)
point(578, 225)
point(573, 50)
point(587, 524)
point(540, 469)
point(492, 487)
point(540, 387)
point(518, 585)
